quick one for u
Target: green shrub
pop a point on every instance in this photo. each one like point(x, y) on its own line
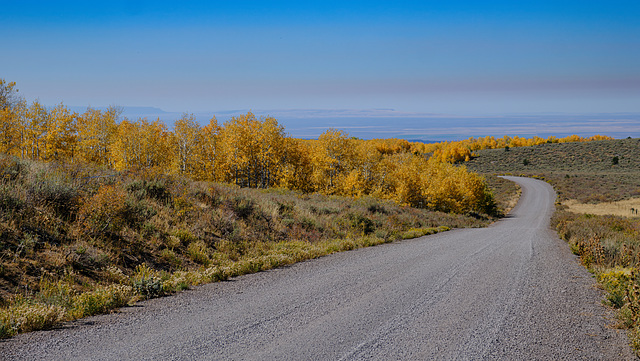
point(115, 274)
point(11, 167)
point(101, 300)
point(55, 191)
point(185, 236)
point(87, 258)
point(146, 282)
point(157, 190)
point(136, 213)
point(53, 292)
point(615, 282)
point(361, 223)
point(170, 257)
point(242, 207)
point(209, 196)
point(377, 208)
point(199, 253)
point(25, 317)
point(286, 209)
point(9, 201)
point(105, 212)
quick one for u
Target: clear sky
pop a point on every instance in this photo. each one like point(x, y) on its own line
point(453, 57)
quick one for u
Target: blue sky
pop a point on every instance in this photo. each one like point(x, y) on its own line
point(467, 58)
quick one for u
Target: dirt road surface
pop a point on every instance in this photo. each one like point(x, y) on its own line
point(512, 291)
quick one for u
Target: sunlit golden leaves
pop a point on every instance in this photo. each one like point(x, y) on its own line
point(255, 152)
point(96, 130)
point(142, 145)
point(61, 134)
point(187, 136)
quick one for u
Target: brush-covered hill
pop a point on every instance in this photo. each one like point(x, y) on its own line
point(597, 171)
point(77, 240)
point(605, 174)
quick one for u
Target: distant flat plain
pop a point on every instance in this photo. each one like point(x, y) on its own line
point(426, 127)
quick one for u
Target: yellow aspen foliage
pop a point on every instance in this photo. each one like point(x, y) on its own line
point(272, 151)
point(11, 118)
point(208, 158)
point(12, 128)
point(96, 130)
point(405, 180)
point(391, 146)
point(297, 173)
point(335, 150)
point(6, 130)
point(142, 145)
point(366, 160)
point(353, 184)
point(459, 151)
point(239, 147)
point(20, 111)
point(7, 94)
point(253, 150)
point(61, 134)
point(126, 148)
point(187, 137)
point(158, 151)
point(319, 165)
point(38, 118)
point(571, 138)
point(448, 188)
point(599, 137)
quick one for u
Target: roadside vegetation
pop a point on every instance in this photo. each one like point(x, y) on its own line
point(98, 212)
point(609, 246)
point(588, 172)
point(600, 177)
point(245, 151)
point(80, 240)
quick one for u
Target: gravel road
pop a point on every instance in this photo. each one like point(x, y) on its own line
point(512, 291)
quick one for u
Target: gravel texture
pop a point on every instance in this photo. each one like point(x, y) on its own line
point(512, 291)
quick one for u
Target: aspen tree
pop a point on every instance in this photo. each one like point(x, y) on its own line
point(8, 95)
point(239, 147)
point(126, 147)
point(38, 118)
point(96, 130)
point(11, 128)
point(336, 150)
point(60, 137)
point(187, 136)
point(157, 146)
point(272, 152)
point(209, 156)
point(298, 166)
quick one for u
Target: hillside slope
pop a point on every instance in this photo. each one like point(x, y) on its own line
point(597, 173)
point(587, 172)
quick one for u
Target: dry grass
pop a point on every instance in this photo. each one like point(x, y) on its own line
point(597, 183)
point(80, 240)
point(506, 193)
point(581, 171)
point(626, 208)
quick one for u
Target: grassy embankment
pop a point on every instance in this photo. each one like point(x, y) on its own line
point(598, 185)
point(79, 240)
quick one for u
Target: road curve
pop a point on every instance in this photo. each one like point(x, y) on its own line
point(512, 291)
